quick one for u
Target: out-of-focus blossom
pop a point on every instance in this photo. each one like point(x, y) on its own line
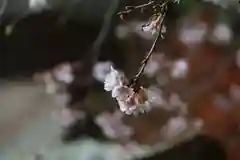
point(63, 73)
point(162, 79)
point(152, 68)
point(113, 126)
point(9, 29)
point(51, 86)
point(194, 34)
point(122, 31)
point(133, 150)
point(222, 34)
point(223, 3)
point(238, 58)
point(113, 79)
point(175, 103)
point(222, 102)
point(179, 68)
point(101, 69)
point(155, 63)
point(68, 116)
point(235, 92)
point(37, 4)
point(155, 97)
point(174, 127)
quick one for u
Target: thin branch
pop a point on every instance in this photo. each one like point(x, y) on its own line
point(131, 8)
point(136, 78)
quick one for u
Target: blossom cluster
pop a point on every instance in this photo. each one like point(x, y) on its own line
point(130, 102)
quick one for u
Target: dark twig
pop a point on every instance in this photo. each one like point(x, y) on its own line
point(131, 8)
point(134, 82)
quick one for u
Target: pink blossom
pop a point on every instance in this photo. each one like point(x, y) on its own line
point(113, 79)
point(179, 68)
point(101, 70)
point(63, 73)
point(113, 126)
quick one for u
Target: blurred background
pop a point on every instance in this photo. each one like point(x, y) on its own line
point(55, 55)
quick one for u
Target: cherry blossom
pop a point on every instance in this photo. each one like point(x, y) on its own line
point(63, 73)
point(175, 103)
point(155, 63)
point(193, 34)
point(113, 79)
point(174, 127)
point(222, 33)
point(122, 93)
point(50, 85)
point(155, 97)
point(223, 3)
point(113, 126)
point(129, 101)
point(179, 68)
point(68, 116)
point(37, 4)
point(135, 103)
point(101, 69)
point(9, 29)
point(122, 31)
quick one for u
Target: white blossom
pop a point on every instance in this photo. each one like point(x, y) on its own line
point(68, 116)
point(174, 127)
point(113, 126)
point(193, 34)
point(151, 68)
point(153, 29)
point(222, 33)
point(135, 103)
point(113, 79)
point(129, 101)
point(9, 29)
point(122, 31)
point(175, 103)
point(50, 85)
point(101, 69)
point(154, 65)
point(155, 97)
point(63, 73)
point(179, 68)
point(122, 92)
point(137, 28)
point(37, 4)
point(224, 3)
